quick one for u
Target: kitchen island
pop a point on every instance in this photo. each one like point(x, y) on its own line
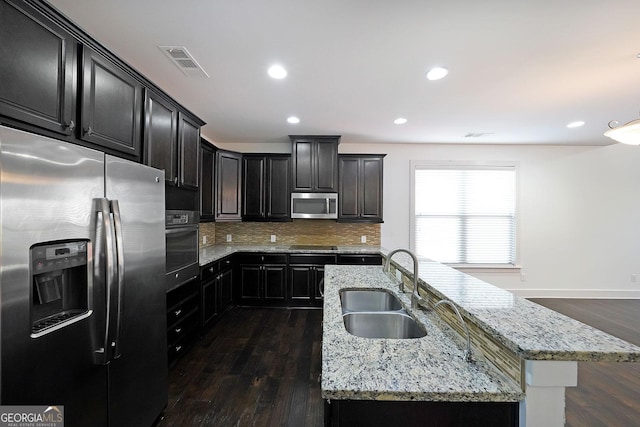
point(525, 352)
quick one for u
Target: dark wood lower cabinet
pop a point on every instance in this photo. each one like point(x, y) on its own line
point(370, 413)
point(216, 289)
point(262, 279)
point(306, 275)
point(183, 318)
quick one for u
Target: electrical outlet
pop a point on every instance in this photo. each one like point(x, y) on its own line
point(523, 277)
point(363, 239)
point(634, 277)
point(229, 238)
point(204, 240)
point(273, 238)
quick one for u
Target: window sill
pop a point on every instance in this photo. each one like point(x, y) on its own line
point(486, 268)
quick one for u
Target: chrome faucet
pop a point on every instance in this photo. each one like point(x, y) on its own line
point(467, 352)
point(415, 296)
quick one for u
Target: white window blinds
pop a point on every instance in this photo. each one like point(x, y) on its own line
point(465, 215)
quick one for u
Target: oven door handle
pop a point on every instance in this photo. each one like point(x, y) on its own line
point(181, 230)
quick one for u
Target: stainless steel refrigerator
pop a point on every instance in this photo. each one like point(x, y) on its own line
point(82, 286)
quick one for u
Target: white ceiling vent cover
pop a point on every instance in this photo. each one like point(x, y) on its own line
point(180, 56)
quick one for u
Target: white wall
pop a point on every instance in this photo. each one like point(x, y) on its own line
point(579, 212)
point(579, 230)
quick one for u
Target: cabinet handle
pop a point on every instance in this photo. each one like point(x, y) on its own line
point(175, 180)
point(88, 131)
point(262, 258)
point(71, 125)
point(210, 269)
point(177, 313)
point(178, 330)
point(178, 348)
point(321, 287)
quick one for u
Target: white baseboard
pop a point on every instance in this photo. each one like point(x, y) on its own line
point(577, 293)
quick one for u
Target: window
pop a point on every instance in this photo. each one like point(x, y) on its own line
point(465, 214)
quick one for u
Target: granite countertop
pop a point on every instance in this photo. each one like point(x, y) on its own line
point(528, 329)
point(431, 368)
point(213, 253)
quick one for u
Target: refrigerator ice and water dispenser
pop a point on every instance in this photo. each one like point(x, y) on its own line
point(60, 284)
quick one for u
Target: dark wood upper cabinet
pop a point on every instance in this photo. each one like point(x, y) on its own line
point(315, 163)
point(160, 134)
point(111, 105)
point(207, 181)
point(38, 77)
point(266, 187)
point(361, 181)
point(188, 151)
point(228, 186)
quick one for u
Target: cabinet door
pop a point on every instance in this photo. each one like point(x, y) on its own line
point(39, 61)
point(348, 200)
point(207, 181)
point(228, 191)
point(326, 167)
point(318, 286)
point(225, 286)
point(160, 132)
point(278, 191)
point(275, 280)
point(111, 105)
point(371, 188)
point(253, 187)
point(250, 283)
point(188, 152)
point(302, 165)
point(301, 283)
point(209, 302)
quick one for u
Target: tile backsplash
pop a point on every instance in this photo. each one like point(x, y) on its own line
point(296, 232)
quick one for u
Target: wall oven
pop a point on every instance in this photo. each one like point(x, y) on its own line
point(181, 229)
point(314, 205)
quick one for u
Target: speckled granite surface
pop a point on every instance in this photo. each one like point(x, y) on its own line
point(213, 253)
point(531, 331)
point(430, 368)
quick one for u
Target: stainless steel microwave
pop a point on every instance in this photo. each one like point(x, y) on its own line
point(314, 205)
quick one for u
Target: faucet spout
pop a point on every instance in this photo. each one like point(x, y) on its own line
point(467, 353)
point(415, 296)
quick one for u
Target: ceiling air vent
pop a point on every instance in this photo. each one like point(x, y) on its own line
point(180, 56)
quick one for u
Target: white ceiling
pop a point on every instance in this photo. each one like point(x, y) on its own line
point(520, 70)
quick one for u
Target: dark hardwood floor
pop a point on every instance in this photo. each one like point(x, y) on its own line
point(260, 367)
point(608, 393)
point(256, 367)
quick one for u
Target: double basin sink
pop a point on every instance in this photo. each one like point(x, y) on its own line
point(376, 313)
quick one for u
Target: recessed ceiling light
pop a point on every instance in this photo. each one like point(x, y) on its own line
point(293, 120)
point(400, 121)
point(575, 124)
point(277, 72)
point(437, 73)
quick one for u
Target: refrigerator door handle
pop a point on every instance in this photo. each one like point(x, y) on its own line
point(115, 209)
point(104, 274)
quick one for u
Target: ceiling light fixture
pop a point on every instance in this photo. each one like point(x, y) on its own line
point(626, 134)
point(437, 73)
point(293, 120)
point(400, 121)
point(277, 72)
point(575, 124)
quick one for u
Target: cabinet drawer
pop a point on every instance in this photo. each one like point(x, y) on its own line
point(263, 259)
point(312, 259)
point(183, 328)
point(362, 259)
point(208, 271)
